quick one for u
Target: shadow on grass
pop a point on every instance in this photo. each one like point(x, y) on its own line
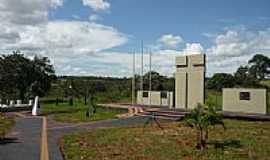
point(225, 144)
point(4, 141)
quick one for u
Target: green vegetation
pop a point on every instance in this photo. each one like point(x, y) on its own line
point(77, 113)
point(6, 124)
point(242, 140)
point(23, 78)
point(201, 119)
point(248, 76)
point(213, 98)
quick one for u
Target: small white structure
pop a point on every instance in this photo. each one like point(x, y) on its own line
point(18, 102)
point(11, 103)
point(30, 102)
point(244, 100)
point(35, 110)
point(155, 98)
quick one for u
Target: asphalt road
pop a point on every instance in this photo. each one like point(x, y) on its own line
point(24, 141)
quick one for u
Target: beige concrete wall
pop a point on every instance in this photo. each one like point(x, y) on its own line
point(154, 98)
point(180, 90)
point(195, 89)
point(139, 97)
point(256, 104)
point(189, 81)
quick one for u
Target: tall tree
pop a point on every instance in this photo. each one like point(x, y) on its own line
point(21, 76)
point(243, 78)
point(259, 67)
point(220, 80)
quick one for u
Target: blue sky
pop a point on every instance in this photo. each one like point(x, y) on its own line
point(96, 37)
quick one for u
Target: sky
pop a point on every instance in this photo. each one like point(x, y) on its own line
point(98, 37)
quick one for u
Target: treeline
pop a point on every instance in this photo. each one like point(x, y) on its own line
point(105, 89)
point(249, 76)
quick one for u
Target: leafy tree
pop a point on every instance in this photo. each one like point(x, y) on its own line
point(259, 66)
point(42, 76)
point(243, 78)
point(158, 82)
point(21, 76)
point(220, 80)
point(202, 118)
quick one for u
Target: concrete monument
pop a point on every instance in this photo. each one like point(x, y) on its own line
point(189, 81)
point(35, 110)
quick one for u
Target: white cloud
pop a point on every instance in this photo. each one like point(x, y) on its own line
point(26, 12)
point(236, 43)
point(193, 48)
point(97, 5)
point(119, 64)
point(235, 47)
point(25, 26)
point(94, 17)
point(65, 37)
point(170, 40)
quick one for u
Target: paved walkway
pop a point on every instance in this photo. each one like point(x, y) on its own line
point(24, 143)
point(26, 140)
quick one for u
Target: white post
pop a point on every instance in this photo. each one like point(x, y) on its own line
point(11, 103)
point(142, 67)
point(18, 102)
point(133, 80)
point(30, 103)
point(35, 107)
point(150, 77)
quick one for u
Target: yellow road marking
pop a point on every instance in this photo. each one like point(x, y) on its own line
point(44, 154)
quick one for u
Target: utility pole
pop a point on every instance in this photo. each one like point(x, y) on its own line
point(141, 66)
point(133, 80)
point(150, 75)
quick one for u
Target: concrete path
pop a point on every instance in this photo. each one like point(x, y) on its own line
point(38, 138)
point(24, 143)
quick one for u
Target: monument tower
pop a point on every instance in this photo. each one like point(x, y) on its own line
point(189, 81)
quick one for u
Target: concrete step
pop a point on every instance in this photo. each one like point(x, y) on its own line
point(162, 117)
point(170, 112)
point(163, 114)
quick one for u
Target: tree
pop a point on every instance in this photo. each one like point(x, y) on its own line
point(158, 81)
point(21, 76)
point(202, 118)
point(42, 76)
point(259, 66)
point(220, 80)
point(243, 78)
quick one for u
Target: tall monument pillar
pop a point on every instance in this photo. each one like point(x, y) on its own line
point(189, 81)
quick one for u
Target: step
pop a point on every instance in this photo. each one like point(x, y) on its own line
point(163, 114)
point(162, 117)
point(170, 112)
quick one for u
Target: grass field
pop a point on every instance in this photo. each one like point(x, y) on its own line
point(213, 98)
point(242, 140)
point(6, 124)
point(77, 113)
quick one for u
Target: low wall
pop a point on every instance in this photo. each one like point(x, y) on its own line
point(155, 98)
point(244, 100)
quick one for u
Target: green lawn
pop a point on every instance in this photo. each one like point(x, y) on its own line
point(213, 98)
point(6, 124)
point(242, 140)
point(77, 113)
